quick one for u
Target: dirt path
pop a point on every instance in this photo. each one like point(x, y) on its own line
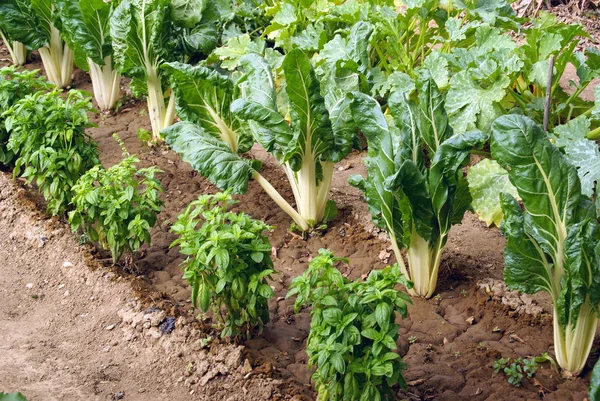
point(67, 330)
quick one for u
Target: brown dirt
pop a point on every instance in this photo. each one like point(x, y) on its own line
point(52, 350)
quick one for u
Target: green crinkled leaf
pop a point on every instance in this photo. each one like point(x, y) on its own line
point(547, 184)
point(312, 126)
point(21, 23)
point(258, 105)
point(204, 36)
point(235, 48)
point(437, 67)
point(85, 25)
point(448, 187)
point(558, 219)
point(380, 165)
point(210, 156)
point(204, 97)
point(139, 29)
point(580, 151)
point(487, 180)
point(187, 13)
point(525, 266)
point(471, 106)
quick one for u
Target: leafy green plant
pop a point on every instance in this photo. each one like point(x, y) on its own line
point(12, 397)
point(307, 147)
point(117, 206)
point(147, 33)
point(415, 186)
point(85, 26)
point(15, 85)
point(228, 263)
point(552, 245)
point(47, 135)
point(352, 329)
point(34, 23)
point(515, 369)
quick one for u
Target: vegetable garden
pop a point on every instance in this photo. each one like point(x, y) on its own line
point(379, 199)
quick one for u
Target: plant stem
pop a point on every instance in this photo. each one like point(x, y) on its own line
point(278, 199)
point(595, 134)
point(106, 83)
point(161, 116)
point(57, 58)
point(573, 342)
point(17, 50)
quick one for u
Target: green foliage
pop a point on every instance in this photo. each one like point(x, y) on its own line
point(415, 186)
point(552, 245)
point(487, 180)
point(228, 263)
point(203, 98)
point(35, 23)
point(12, 397)
point(117, 206)
point(47, 135)
point(20, 21)
point(595, 383)
point(15, 85)
point(353, 329)
point(516, 369)
point(307, 147)
point(85, 26)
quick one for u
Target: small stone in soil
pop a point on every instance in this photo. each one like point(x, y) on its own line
point(112, 326)
point(29, 285)
point(167, 326)
point(67, 265)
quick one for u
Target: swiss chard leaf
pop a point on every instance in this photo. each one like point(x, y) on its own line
point(203, 96)
point(210, 156)
point(85, 25)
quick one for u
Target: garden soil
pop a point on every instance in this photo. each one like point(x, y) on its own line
point(73, 327)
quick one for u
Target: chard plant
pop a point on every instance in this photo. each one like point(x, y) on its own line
point(353, 329)
point(32, 22)
point(148, 33)
point(140, 34)
point(117, 206)
point(415, 186)
point(47, 136)
point(307, 147)
point(85, 25)
point(228, 263)
point(553, 240)
point(16, 49)
point(14, 86)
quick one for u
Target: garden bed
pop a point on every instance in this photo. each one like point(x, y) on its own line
point(60, 344)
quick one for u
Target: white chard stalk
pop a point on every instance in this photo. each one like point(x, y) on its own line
point(18, 53)
point(17, 50)
point(106, 83)
point(57, 58)
point(573, 343)
point(161, 115)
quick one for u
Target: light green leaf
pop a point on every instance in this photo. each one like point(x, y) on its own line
point(487, 180)
point(580, 151)
point(471, 106)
